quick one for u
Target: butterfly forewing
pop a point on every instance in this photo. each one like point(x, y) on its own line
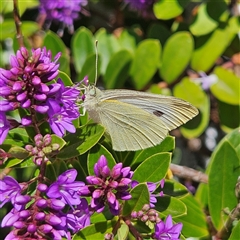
point(172, 111)
point(130, 127)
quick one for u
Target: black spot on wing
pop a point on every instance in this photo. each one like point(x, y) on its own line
point(158, 113)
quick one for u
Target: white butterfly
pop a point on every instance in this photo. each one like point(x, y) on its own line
point(136, 120)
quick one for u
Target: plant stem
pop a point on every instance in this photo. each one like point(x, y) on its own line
point(17, 23)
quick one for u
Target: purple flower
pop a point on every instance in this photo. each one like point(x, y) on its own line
point(107, 186)
point(26, 85)
point(206, 80)
point(4, 127)
point(65, 188)
point(63, 11)
point(79, 217)
point(143, 6)
point(62, 109)
point(10, 189)
point(167, 230)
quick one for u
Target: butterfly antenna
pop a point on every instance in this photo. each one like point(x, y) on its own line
point(96, 71)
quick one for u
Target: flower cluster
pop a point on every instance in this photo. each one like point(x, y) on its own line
point(146, 214)
point(42, 149)
point(63, 11)
point(143, 6)
point(42, 215)
point(167, 230)
point(107, 186)
point(27, 85)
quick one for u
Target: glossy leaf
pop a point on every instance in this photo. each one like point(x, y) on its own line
point(56, 45)
point(127, 41)
point(117, 69)
point(94, 155)
point(123, 231)
point(145, 63)
point(160, 32)
point(209, 47)
point(207, 17)
point(89, 68)
point(8, 29)
point(223, 174)
point(176, 56)
point(165, 9)
point(194, 223)
point(65, 78)
point(95, 231)
point(28, 28)
point(193, 93)
point(225, 110)
point(174, 188)
point(135, 158)
point(235, 232)
point(226, 88)
point(107, 45)
point(82, 46)
point(140, 196)
point(153, 169)
point(169, 205)
point(80, 142)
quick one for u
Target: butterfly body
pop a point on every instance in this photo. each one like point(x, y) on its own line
point(136, 120)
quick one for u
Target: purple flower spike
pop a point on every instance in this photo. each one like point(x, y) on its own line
point(108, 186)
point(66, 188)
point(167, 230)
point(62, 11)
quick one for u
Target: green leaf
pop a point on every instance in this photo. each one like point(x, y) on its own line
point(123, 231)
point(145, 62)
point(140, 196)
point(225, 110)
point(82, 46)
point(194, 94)
point(127, 41)
point(153, 169)
point(81, 141)
point(208, 48)
point(56, 45)
point(29, 28)
point(235, 232)
point(170, 206)
point(96, 231)
point(159, 31)
point(8, 29)
point(194, 223)
point(176, 56)
point(107, 45)
point(207, 18)
point(223, 174)
point(165, 9)
point(94, 155)
point(65, 78)
point(133, 159)
point(226, 89)
point(117, 69)
point(60, 141)
point(174, 188)
point(89, 68)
